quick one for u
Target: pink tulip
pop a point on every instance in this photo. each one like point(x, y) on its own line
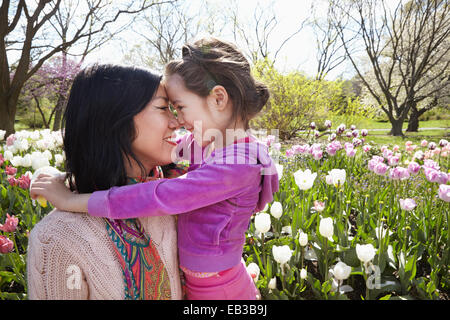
point(413, 167)
point(380, 168)
point(317, 154)
point(289, 153)
point(395, 148)
point(10, 171)
point(366, 148)
point(24, 182)
point(1, 159)
point(408, 143)
point(10, 224)
point(393, 161)
point(407, 204)
point(444, 192)
point(10, 140)
point(350, 152)
point(13, 181)
point(319, 206)
point(6, 245)
point(424, 143)
point(398, 173)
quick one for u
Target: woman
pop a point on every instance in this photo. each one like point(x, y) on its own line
point(117, 131)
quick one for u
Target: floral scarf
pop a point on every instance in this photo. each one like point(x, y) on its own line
point(144, 273)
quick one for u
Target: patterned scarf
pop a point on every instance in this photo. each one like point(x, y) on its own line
point(144, 273)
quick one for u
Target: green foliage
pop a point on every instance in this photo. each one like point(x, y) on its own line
point(296, 100)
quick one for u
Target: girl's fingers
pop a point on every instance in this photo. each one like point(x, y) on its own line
point(43, 175)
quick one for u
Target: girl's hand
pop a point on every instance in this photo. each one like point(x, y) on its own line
point(55, 191)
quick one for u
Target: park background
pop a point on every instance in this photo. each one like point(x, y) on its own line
point(334, 68)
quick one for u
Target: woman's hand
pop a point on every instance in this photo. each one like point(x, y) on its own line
point(56, 192)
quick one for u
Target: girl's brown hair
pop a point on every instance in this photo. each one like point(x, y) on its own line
point(209, 62)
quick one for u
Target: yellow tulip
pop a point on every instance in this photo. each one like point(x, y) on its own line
point(42, 201)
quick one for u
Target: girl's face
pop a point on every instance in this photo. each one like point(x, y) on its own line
point(154, 126)
point(197, 114)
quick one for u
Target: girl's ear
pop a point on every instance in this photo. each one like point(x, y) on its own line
point(218, 96)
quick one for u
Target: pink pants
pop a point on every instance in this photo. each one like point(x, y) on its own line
point(232, 284)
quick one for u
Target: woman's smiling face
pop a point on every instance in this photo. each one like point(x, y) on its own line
point(154, 126)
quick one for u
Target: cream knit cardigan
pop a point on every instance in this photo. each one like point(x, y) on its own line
point(70, 256)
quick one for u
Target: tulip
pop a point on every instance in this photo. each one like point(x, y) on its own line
point(327, 124)
point(341, 271)
point(262, 222)
point(319, 206)
point(2, 134)
point(424, 143)
point(6, 245)
point(279, 168)
point(272, 283)
point(10, 171)
point(413, 167)
point(337, 176)
point(276, 210)
point(380, 168)
point(10, 224)
point(364, 132)
point(304, 179)
point(444, 192)
point(254, 271)
point(326, 227)
point(281, 254)
point(442, 143)
point(407, 204)
point(303, 239)
point(365, 252)
point(312, 125)
point(398, 173)
point(303, 274)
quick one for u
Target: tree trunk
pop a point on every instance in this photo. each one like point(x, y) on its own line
point(58, 112)
point(397, 128)
point(413, 123)
point(7, 116)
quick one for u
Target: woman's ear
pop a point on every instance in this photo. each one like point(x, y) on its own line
point(218, 96)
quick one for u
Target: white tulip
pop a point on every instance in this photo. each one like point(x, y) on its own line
point(282, 254)
point(254, 271)
point(341, 271)
point(326, 227)
point(262, 222)
point(38, 160)
point(337, 177)
point(8, 155)
point(26, 161)
point(276, 210)
point(2, 134)
point(303, 239)
point(365, 252)
point(272, 283)
point(279, 168)
point(303, 274)
point(59, 159)
point(16, 161)
point(304, 179)
point(47, 154)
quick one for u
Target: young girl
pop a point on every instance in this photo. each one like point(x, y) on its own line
point(231, 174)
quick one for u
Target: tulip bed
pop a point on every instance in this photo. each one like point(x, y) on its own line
point(350, 221)
point(354, 221)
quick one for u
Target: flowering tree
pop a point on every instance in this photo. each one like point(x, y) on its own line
point(33, 31)
point(51, 82)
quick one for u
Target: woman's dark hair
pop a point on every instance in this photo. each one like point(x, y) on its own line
point(99, 126)
point(209, 62)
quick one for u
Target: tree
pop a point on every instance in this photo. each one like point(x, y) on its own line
point(258, 43)
point(166, 28)
point(27, 39)
point(402, 46)
point(48, 89)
